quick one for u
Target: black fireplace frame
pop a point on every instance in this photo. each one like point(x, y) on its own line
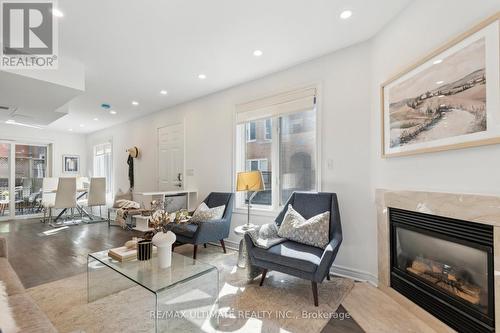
point(448, 308)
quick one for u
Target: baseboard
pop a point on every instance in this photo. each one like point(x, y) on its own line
point(355, 274)
point(230, 244)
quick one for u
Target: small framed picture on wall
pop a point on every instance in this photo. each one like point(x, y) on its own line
point(71, 164)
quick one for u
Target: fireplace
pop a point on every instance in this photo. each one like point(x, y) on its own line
point(445, 266)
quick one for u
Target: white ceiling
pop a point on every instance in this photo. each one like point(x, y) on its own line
point(132, 49)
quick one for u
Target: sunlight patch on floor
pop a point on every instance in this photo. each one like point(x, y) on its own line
point(53, 231)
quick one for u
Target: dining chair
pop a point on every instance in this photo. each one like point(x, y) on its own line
point(49, 185)
point(65, 196)
point(97, 195)
point(18, 199)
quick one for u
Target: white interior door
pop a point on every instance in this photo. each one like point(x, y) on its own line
point(171, 157)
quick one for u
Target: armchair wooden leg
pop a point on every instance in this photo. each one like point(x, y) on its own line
point(194, 251)
point(205, 245)
point(328, 276)
point(315, 292)
point(264, 272)
point(223, 245)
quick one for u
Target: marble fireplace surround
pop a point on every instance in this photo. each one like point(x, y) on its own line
point(469, 207)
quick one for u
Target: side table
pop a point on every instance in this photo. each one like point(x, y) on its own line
point(242, 250)
point(142, 223)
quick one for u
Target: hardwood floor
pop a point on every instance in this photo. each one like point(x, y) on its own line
point(40, 254)
point(343, 323)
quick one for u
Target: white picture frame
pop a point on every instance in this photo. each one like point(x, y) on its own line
point(71, 164)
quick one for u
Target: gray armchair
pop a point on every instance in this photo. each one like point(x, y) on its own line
point(300, 260)
point(207, 231)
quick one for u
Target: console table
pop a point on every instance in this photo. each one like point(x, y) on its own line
point(146, 197)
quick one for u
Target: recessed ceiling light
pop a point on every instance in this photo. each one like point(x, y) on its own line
point(135, 103)
point(96, 119)
point(82, 125)
point(57, 13)
point(345, 14)
point(438, 61)
point(163, 92)
point(112, 112)
point(439, 82)
point(202, 76)
point(70, 129)
point(258, 53)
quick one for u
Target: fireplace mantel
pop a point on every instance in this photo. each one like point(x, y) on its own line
point(468, 207)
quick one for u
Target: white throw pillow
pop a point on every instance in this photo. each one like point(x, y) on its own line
point(203, 213)
point(314, 231)
point(7, 322)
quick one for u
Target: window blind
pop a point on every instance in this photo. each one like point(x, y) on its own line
point(277, 105)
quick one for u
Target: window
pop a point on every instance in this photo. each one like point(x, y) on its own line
point(251, 131)
point(268, 129)
point(297, 153)
point(102, 163)
point(283, 146)
point(259, 164)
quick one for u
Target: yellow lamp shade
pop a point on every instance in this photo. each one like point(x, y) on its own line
point(250, 181)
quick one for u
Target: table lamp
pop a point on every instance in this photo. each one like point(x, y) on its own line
point(249, 181)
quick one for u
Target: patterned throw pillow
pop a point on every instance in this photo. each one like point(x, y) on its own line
point(314, 231)
point(203, 213)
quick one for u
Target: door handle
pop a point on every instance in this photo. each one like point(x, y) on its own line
point(179, 177)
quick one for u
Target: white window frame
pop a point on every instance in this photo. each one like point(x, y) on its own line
point(259, 162)
point(12, 142)
point(109, 185)
point(239, 152)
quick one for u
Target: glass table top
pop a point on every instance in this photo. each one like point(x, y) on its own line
point(149, 275)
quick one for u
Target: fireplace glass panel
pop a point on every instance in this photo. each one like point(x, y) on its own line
point(458, 270)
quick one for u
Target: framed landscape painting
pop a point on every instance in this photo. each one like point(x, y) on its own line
point(448, 100)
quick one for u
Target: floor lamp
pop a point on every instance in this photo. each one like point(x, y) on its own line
point(249, 181)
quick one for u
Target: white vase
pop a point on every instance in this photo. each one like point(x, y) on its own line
point(164, 256)
point(163, 241)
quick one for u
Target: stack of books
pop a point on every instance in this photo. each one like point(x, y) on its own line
point(123, 253)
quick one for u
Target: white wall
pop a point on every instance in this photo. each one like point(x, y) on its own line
point(344, 99)
point(62, 143)
point(418, 30)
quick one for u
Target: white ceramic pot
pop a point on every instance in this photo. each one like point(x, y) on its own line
point(163, 241)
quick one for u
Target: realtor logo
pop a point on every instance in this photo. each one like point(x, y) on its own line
point(28, 35)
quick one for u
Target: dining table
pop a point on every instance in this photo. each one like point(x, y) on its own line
point(81, 192)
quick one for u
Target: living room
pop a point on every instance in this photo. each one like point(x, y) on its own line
point(280, 112)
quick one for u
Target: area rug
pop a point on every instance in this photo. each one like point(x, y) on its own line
point(282, 305)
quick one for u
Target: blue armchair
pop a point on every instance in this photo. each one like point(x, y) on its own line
point(207, 231)
point(300, 260)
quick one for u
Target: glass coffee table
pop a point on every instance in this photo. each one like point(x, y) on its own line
point(183, 294)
